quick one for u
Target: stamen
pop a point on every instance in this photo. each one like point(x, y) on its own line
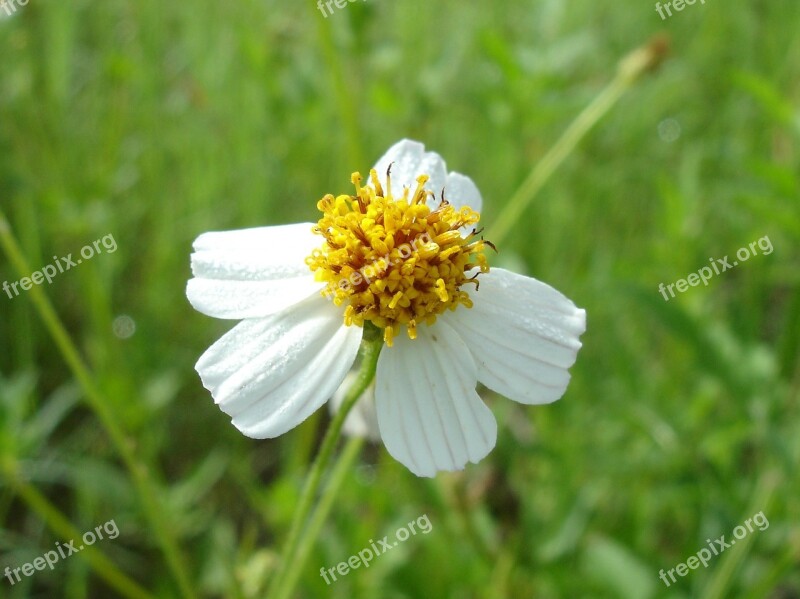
point(418, 193)
point(373, 176)
point(395, 299)
point(441, 290)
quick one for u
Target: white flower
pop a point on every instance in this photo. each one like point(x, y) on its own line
point(396, 256)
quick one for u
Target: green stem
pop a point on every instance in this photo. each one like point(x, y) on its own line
point(732, 559)
point(59, 524)
point(145, 487)
point(320, 515)
point(628, 72)
point(370, 350)
point(459, 506)
point(344, 100)
point(499, 581)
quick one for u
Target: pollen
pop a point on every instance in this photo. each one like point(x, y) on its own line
point(396, 261)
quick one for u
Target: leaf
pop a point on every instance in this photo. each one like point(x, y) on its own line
point(615, 567)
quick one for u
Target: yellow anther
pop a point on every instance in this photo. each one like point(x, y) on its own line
point(397, 297)
point(449, 252)
point(429, 250)
point(373, 176)
point(448, 237)
point(419, 194)
point(483, 263)
point(441, 290)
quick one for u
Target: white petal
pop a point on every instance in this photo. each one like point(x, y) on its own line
point(429, 414)
point(409, 160)
point(252, 273)
point(362, 421)
point(255, 254)
point(460, 191)
point(523, 334)
point(272, 373)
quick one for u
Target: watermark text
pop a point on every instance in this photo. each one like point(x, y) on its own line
point(714, 548)
point(50, 558)
point(60, 265)
point(719, 266)
point(366, 555)
point(678, 5)
point(326, 6)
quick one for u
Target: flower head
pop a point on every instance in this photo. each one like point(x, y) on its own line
point(418, 248)
point(404, 254)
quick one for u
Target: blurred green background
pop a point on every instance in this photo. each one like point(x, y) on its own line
point(157, 121)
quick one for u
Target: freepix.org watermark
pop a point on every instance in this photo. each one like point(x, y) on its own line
point(719, 265)
point(50, 558)
point(715, 548)
point(678, 5)
point(322, 5)
point(366, 555)
point(60, 265)
point(9, 7)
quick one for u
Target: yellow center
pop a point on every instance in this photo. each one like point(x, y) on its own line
point(394, 261)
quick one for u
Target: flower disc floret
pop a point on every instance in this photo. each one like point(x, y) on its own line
point(396, 261)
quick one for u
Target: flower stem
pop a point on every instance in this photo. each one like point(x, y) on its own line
point(629, 70)
point(285, 579)
point(726, 572)
point(342, 90)
point(152, 503)
point(320, 514)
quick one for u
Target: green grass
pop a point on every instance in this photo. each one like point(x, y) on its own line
point(157, 121)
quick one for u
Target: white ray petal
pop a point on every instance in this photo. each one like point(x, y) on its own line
point(252, 273)
point(409, 160)
point(461, 191)
point(272, 373)
point(523, 334)
point(429, 414)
